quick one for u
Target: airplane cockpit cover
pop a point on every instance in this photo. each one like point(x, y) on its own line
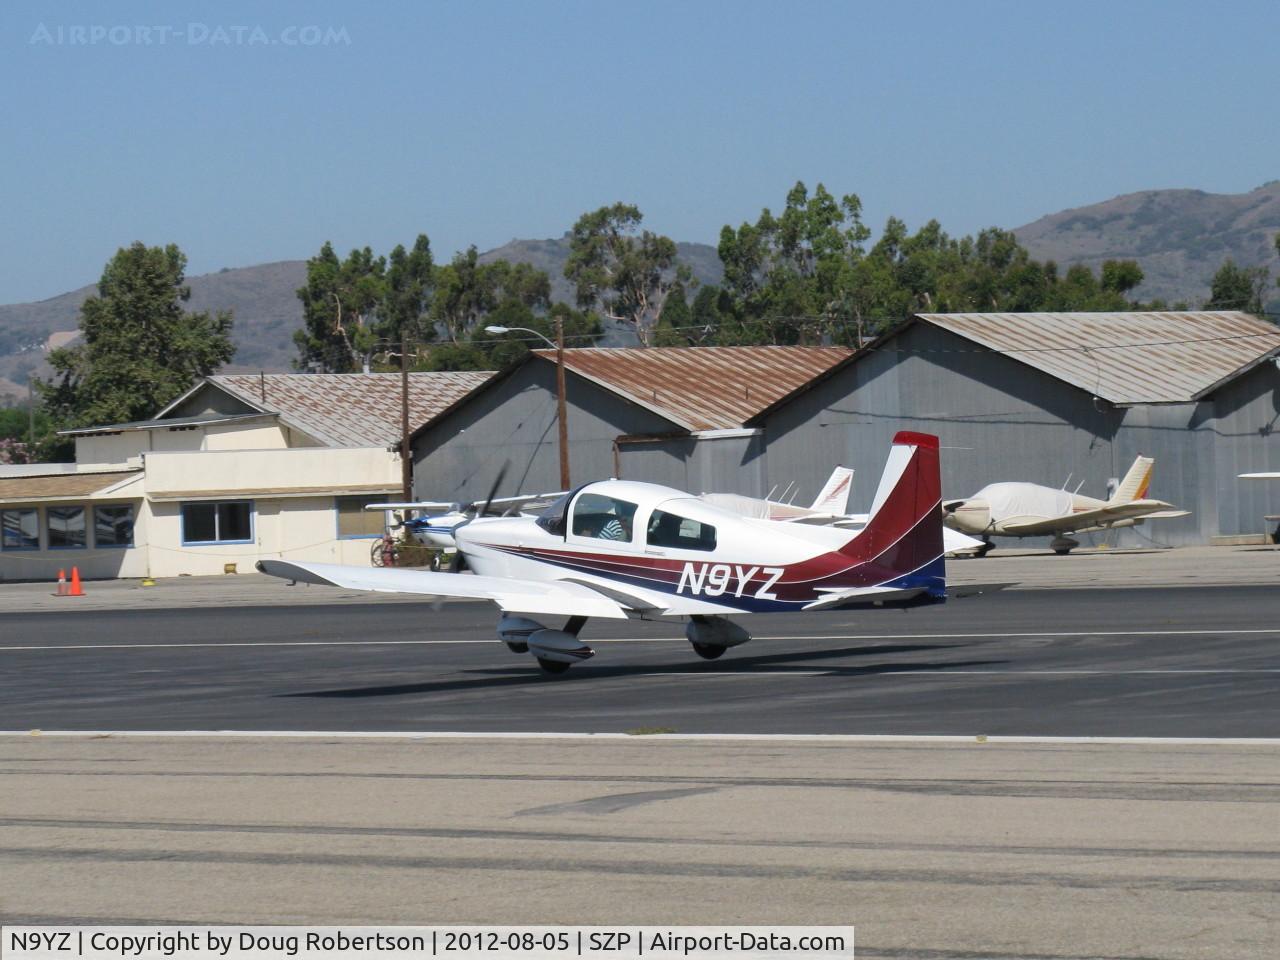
point(1009, 500)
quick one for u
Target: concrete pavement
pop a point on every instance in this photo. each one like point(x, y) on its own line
point(932, 850)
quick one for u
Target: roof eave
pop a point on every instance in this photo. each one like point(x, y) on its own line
point(758, 418)
point(627, 395)
point(1236, 374)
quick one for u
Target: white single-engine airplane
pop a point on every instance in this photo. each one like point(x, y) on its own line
point(619, 548)
point(1030, 510)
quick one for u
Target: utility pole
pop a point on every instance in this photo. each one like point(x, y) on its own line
point(406, 454)
point(560, 405)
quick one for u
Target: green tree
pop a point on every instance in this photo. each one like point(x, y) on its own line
point(340, 304)
point(1121, 276)
point(139, 348)
point(16, 435)
point(410, 281)
point(622, 271)
point(581, 329)
point(465, 292)
point(470, 294)
point(794, 276)
point(15, 423)
point(1238, 288)
point(672, 328)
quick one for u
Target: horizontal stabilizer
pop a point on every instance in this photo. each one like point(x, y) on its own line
point(868, 597)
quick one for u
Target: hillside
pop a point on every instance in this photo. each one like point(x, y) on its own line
point(266, 308)
point(1178, 237)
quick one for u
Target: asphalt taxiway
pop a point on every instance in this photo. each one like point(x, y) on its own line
point(1203, 662)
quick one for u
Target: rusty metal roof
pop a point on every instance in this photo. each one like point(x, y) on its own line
point(1124, 358)
point(350, 409)
point(701, 388)
point(62, 486)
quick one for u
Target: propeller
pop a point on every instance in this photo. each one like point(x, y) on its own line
point(455, 565)
point(493, 490)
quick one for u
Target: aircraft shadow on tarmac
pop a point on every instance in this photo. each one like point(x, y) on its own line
point(519, 674)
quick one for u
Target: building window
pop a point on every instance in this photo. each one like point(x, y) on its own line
point(20, 529)
point(354, 520)
point(113, 525)
point(669, 530)
point(230, 521)
point(603, 518)
point(66, 528)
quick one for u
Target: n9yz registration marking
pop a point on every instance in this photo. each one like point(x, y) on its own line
point(717, 579)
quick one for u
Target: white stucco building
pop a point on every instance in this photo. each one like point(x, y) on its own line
point(237, 469)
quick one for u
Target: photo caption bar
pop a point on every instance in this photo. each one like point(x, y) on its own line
point(455, 942)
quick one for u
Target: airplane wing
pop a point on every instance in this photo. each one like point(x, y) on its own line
point(412, 505)
point(1088, 519)
point(512, 596)
point(504, 504)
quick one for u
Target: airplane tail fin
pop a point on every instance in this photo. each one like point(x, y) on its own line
point(1136, 483)
point(902, 545)
point(834, 496)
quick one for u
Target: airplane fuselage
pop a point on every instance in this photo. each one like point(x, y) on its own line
point(741, 565)
point(998, 506)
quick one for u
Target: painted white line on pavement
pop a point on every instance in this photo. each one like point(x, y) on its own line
point(605, 640)
point(829, 738)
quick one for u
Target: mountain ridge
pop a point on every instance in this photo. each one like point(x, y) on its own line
point(1178, 236)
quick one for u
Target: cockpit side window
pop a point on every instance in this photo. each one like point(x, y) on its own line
point(671, 530)
point(604, 518)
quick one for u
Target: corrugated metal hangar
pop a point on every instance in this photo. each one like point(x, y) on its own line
point(1050, 398)
point(674, 415)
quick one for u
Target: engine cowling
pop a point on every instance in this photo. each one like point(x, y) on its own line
point(969, 516)
point(558, 646)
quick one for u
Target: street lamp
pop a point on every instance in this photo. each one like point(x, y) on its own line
point(558, 346)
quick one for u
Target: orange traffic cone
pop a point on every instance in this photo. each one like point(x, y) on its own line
point(62, 584)
point(76, 590)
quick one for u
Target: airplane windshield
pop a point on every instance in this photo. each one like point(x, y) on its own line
point(554, 519)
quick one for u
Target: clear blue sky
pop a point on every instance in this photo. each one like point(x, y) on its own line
point(480, 122)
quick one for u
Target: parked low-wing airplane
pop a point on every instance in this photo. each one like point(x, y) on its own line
point(619, 548)
point(830, 507)
point(1030, 510)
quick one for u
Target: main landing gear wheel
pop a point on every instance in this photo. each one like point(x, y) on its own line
point(1063, 545)
point(553, 667)
point(709, 651)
